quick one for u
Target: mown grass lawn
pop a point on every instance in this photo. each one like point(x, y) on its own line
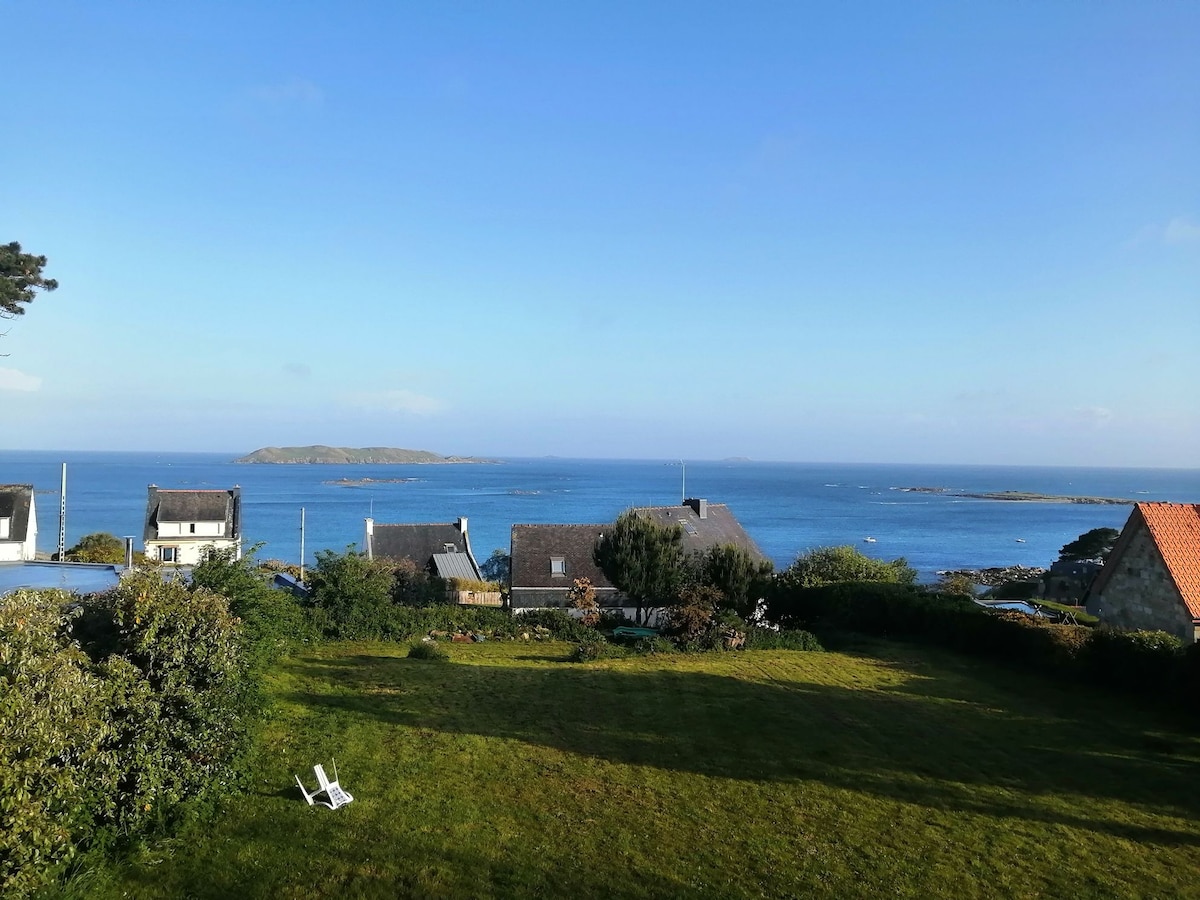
point(508, 772)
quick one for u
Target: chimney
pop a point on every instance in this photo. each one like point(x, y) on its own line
point(128, 552)
point(461, 524)
point(700, 506)
point(370, 533)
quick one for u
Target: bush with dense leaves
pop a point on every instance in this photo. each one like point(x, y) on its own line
point(114, 710)
point(783, 639)
point(428, 650)
point(53, 726)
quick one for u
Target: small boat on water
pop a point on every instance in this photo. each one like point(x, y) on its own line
point(868, 540)
point(1020, 540)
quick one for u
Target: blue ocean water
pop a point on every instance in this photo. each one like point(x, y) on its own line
point(786, 507)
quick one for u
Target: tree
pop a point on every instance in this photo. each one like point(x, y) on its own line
point(20, 279)
point(98, 547)
point(497, 567)
point(354, 593)
point(740, 578)
point(1094, 544)
point(833, 565)
point(643, 560)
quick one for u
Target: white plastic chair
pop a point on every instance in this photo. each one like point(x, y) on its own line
point(331, 789)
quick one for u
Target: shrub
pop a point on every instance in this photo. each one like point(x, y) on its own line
point(1144, 661)
point(354, 594)
point(52, 724)
point(783, 639)
point(272, 621)
point(692, 614)
point(428, 650)
point(835, 565)
point(597, 650)
point(181, 702)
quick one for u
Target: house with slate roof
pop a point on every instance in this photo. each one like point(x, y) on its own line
point(546, 560)
point(441, 548)
point(704, 525)
point(1151, 581)
point(182, 524)
point(18, 523)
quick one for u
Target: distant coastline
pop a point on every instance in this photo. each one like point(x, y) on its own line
point(319, 454)
point(1020, 496)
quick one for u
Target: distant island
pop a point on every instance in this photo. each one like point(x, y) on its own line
point(319, 453)
point(1019, 496)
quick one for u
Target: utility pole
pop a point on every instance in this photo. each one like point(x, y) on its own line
point(62, 516)
point(302, 545)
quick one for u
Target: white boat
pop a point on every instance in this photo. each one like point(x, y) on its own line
point(868, 540)
point(1020, 540)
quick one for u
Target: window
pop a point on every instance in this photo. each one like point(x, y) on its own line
point(450, 548)
point(5, 528)
point(192, 528)
point(558, 567)
point(167, 554)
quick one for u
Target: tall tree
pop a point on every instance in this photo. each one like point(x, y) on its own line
point(741, 579)
point(643, 560)
point(1094, 544)
point(20, 279)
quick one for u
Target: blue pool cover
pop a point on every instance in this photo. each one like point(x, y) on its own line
point(82, 578)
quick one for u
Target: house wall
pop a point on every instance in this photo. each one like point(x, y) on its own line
point(556, 598)
point(189, 552)
point(22, 548)
point(191, 529)
point(1140, 594)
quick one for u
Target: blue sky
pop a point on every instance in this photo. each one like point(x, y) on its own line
point(894, 232)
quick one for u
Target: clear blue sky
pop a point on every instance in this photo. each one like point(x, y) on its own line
point(926, 232)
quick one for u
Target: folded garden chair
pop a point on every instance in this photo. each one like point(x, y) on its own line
point(331, 789)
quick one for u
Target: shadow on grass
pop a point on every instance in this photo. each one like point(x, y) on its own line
point(931, 737)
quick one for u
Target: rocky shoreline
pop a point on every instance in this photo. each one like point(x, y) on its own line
point(998, 575)
point(1019, 496)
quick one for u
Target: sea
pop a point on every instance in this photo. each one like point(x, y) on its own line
point(786, 507)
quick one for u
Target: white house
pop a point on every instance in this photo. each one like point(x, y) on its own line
point(182, 524)
point(18, 523)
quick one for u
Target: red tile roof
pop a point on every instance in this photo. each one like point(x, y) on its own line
point(1175, 529)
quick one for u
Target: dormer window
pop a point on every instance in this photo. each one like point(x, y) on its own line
point(558, 567)
point(450, 548)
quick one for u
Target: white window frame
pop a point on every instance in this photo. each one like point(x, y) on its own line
point(558, 567)
point(5, 528)
point(168, 554)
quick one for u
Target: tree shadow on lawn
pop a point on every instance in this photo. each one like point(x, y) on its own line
point(924, 739)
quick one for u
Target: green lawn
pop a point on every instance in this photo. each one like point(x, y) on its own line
point(510, 773)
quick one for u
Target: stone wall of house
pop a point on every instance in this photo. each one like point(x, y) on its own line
point(1140, 595)
point(556, 598)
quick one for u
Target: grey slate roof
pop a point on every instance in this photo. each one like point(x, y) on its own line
point(15, 502)
point(533, 546)
point(420, 543)
point(717, 526)
point(194, 506)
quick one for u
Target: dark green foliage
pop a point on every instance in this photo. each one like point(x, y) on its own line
point(741, 579)
point(562, 626)
point(413, 586)
point(153, 711)
point(834, 565)
point(272, 620)
point(1095, 544)
point(99, 547)
point(52, 726)
point(429, 651)
point(20, 279)
point(497, 568)
point(352, 595)
point(1141, 661)
point(693, 613)
point(783, 639)
point(643, 560)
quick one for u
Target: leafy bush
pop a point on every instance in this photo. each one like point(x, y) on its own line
point(597, 650)
point(836, 565)
point(783, 639)
point(428, 650)
point(180, 700)
point(1142, 661)
point(353, 593)
point(52, 726)
point(272, 621)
